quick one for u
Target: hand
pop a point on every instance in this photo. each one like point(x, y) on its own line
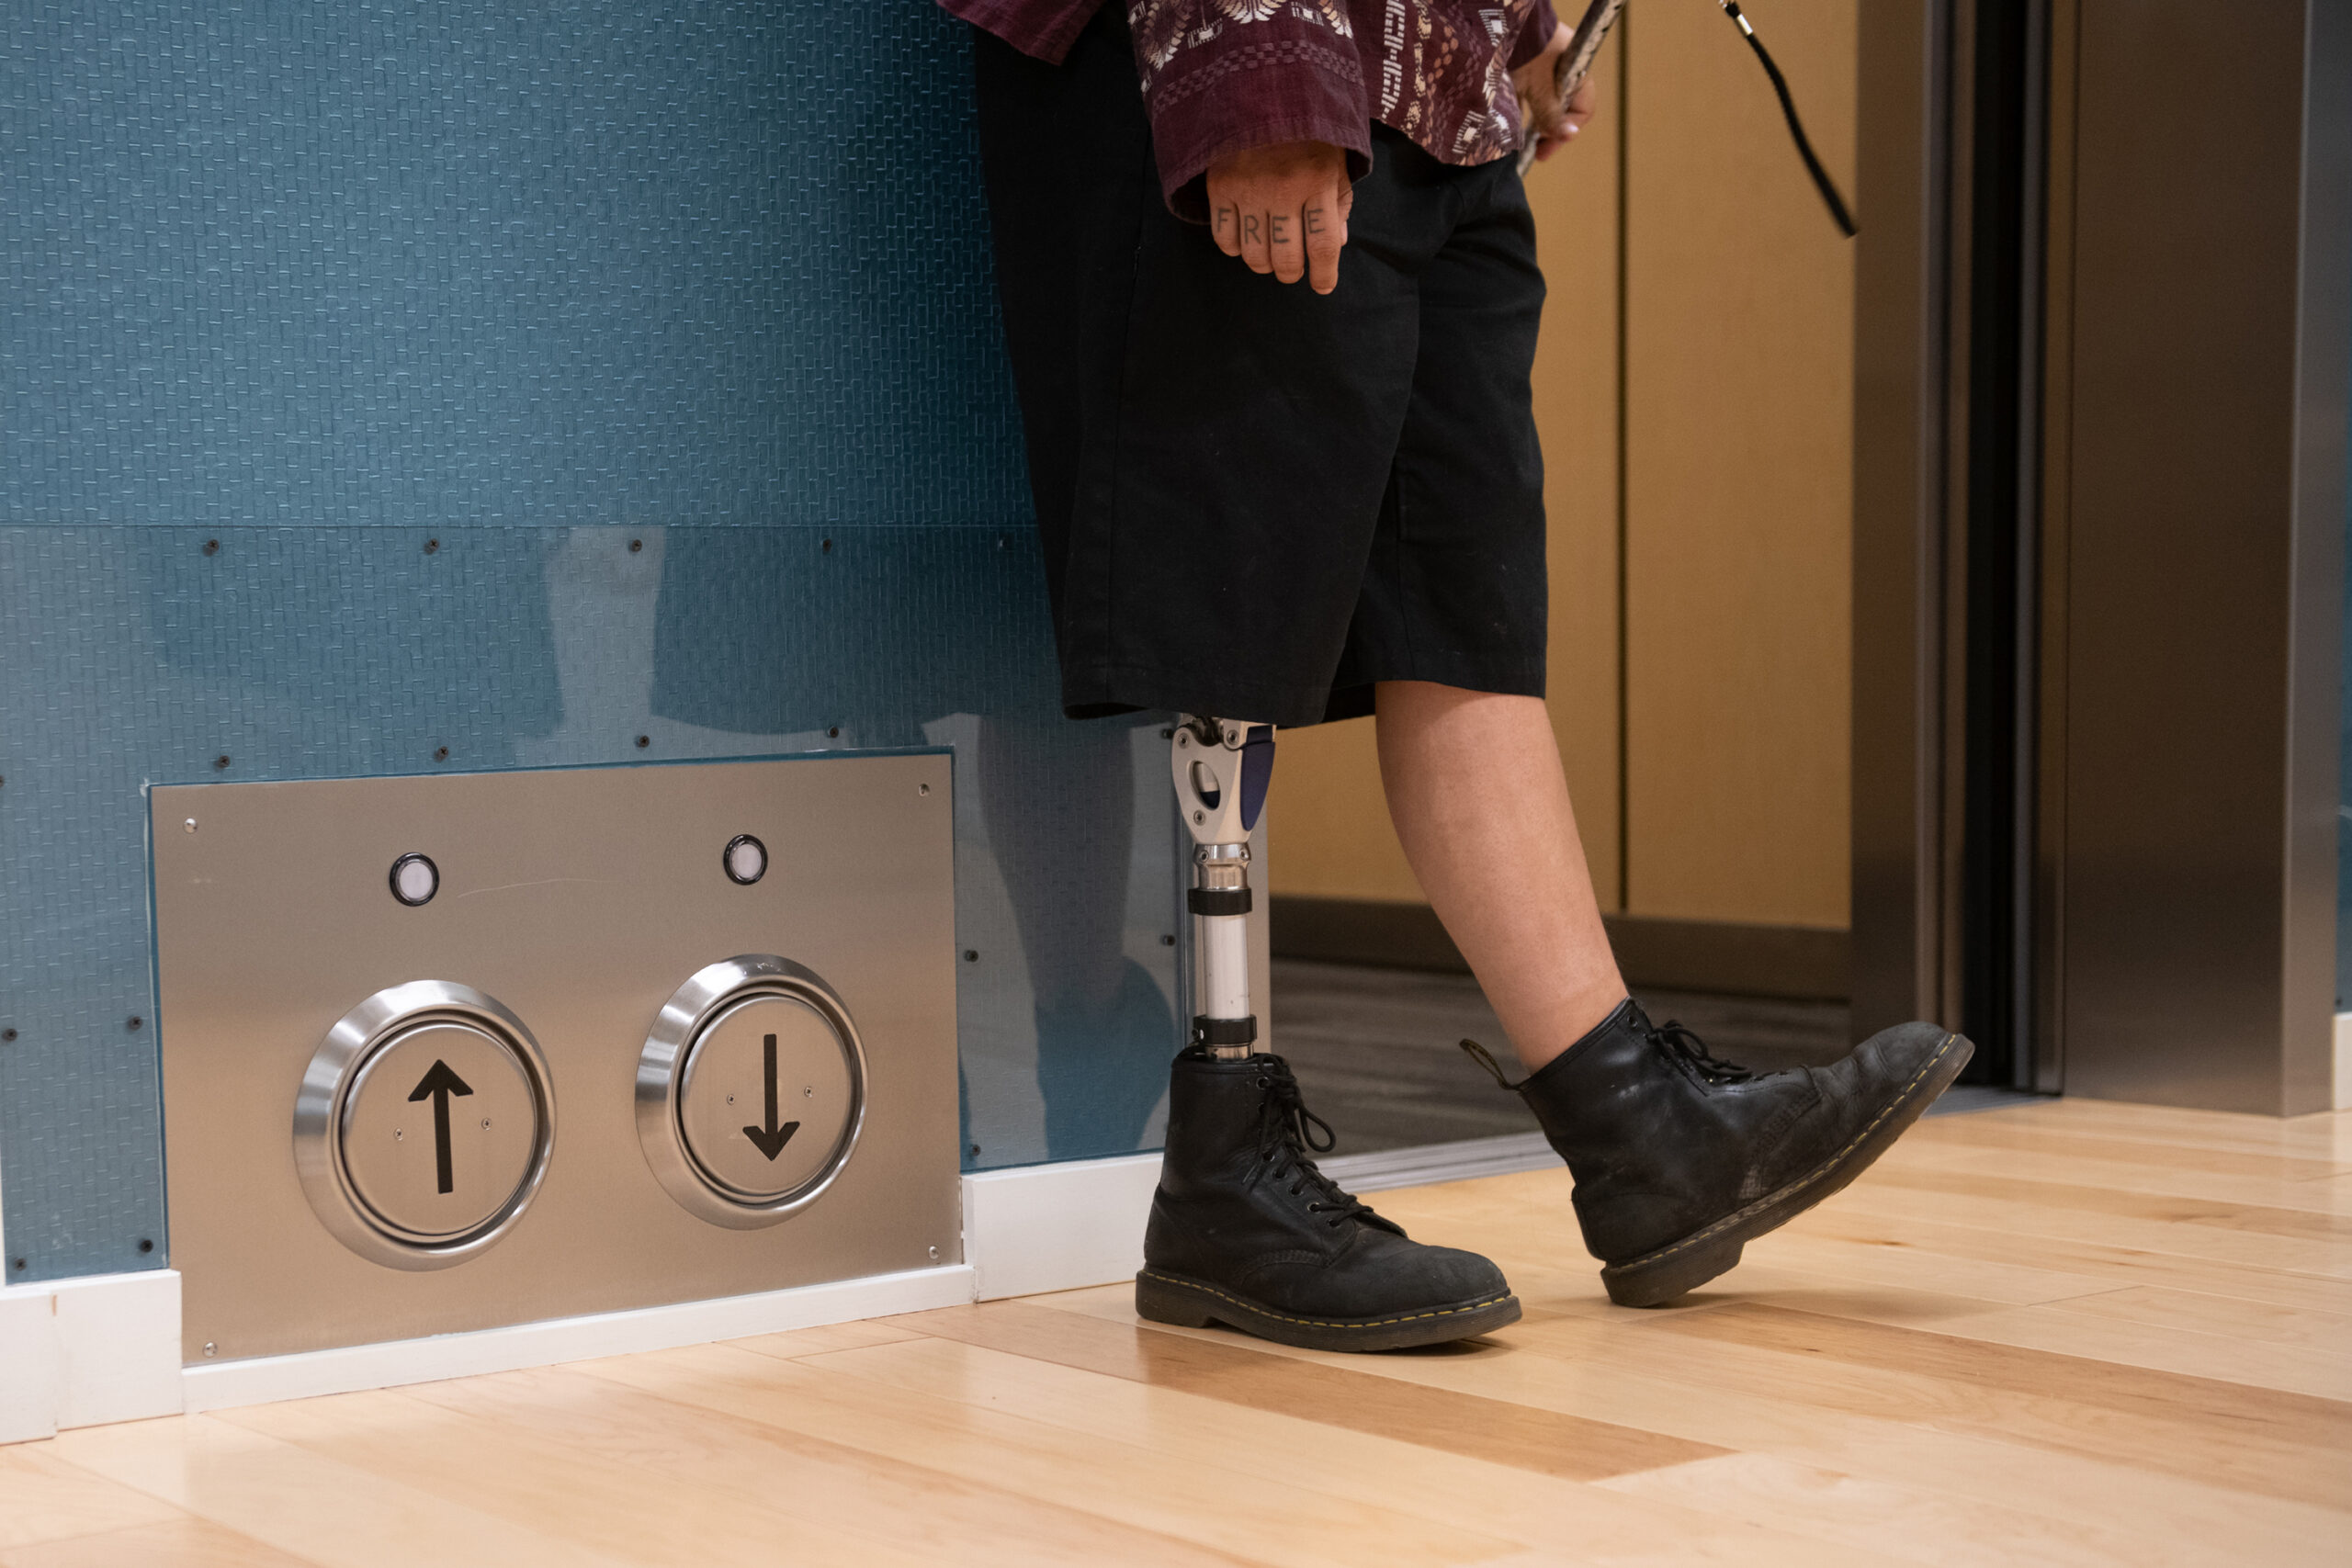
point(1551, 122)
point(1283, 210)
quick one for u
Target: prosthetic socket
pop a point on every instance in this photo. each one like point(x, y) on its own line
point(1222, 767)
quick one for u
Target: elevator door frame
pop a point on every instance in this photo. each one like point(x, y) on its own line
point(1968, 458)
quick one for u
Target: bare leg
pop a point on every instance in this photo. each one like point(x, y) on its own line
point(1475, 790)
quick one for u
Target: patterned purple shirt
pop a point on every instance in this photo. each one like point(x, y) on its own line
point(1222, 77)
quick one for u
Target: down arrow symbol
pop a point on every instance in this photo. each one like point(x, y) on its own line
point(770, 1140)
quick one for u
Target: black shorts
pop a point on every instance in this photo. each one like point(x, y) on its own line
point(1256, 501)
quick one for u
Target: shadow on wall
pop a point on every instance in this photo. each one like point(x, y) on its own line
point(1059, 802)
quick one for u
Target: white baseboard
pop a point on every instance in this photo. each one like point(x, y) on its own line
point(32, 1370)
point(388, 1365)
point(2342, 1098)
point(1058, 1227)
point(81, 1352)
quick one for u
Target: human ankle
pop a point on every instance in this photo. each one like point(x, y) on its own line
point(1578, 1026)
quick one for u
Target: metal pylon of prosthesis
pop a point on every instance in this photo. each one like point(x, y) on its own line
point(1222, 767)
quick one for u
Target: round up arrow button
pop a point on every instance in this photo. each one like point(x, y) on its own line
point(438, 1129)
point(423, 1124)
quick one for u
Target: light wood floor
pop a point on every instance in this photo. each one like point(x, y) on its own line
point(2061, 1333)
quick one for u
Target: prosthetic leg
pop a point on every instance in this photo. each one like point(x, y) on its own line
point(1222, 768)
point(1245, 1230)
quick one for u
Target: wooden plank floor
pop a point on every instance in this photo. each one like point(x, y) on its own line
point(2061, 1333)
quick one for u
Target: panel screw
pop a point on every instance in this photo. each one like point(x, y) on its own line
point(432, 547)
point(211, 546)
point(828, 547)
point(9, 1035)
point(808, 1092)
point(971, 955)
point(145, 1245)
point(209, 1347)
point(19, 1263)
point(834, 731)
point(485, 1124)
point(135, 1022)
point(1200, 817)
point(189, 825)
point(976, 1151)
point(221, 761)
point(923, 789)
point(441, 753)
point(643, 741)
point(1168, 941)
point(730, 1099)
point(1000, 541)
point(635, 546)
point(934, 1255)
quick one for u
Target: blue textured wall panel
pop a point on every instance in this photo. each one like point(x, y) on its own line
point(327, 263)
point(345, 352)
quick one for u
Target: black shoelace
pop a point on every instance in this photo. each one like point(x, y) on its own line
point(1683, 1041)
point(1673, 1039)
point(1284, 1139)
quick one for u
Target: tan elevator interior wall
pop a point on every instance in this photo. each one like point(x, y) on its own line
point(1736, 417)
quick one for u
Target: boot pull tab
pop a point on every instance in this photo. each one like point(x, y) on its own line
point(1485, 1058)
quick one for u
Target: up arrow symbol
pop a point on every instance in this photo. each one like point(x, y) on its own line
point(441, 1083)
point(770, 1140)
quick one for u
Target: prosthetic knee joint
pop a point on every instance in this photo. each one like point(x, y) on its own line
point(1222, 768)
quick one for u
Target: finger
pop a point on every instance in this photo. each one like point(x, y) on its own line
point(1325, 227)
point(1253, 238)
point(1577, 111)
point(1286, 243)
point(1224, 225)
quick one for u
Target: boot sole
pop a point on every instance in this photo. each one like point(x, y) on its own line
point(1193, 1304)
point(1680, 1268)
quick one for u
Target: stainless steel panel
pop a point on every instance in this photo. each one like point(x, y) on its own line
point(581, 900)
point(1901, 413)
point(2205, 518)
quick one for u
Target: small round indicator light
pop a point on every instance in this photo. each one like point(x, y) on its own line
point(746, 859)
point(415, 880)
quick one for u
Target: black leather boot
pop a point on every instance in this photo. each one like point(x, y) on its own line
point(1245, 1231)
point(1680, 1158)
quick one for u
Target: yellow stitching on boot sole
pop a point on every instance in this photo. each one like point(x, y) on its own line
point(1317, 1323)
point(1823, 1168)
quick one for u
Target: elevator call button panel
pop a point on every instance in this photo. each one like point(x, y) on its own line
point(736, 979)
